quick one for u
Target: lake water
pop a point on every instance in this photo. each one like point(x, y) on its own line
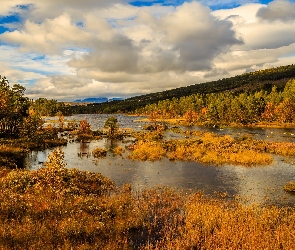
point(262, 184)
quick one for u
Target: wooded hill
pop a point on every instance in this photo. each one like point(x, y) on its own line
point(250, 82)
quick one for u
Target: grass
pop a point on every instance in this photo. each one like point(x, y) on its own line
point(99, 152)
point(203, 147)
point(59, 208)
point(290, 187)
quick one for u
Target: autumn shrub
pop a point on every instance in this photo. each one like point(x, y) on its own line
point(290, 187)
point(149, 150)
point(119, 150)
point(99, 152)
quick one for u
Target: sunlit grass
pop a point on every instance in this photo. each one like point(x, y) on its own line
point(99, 152)
point(203, 147)
point(59, 208)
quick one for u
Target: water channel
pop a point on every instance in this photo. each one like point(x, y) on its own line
point(260, 184)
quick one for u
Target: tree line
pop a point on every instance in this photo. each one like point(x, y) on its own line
point(250, 82)
point(20, 116)
point(229, 108)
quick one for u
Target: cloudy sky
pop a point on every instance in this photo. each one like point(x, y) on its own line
point(73, 49)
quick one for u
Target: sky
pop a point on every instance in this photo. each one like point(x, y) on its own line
point(72, 49)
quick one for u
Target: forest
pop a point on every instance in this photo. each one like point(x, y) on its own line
point(248, 82)
point(229, 108)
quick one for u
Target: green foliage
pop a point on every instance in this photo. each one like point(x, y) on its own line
point(112, 125)
point(229, 109)
point(45, 107)
point(13, 108)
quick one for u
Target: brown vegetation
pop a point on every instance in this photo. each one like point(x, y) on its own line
point(59, 208)
point(203, 147)
point(99, 152)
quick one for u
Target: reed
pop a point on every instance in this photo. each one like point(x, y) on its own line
point(59, 208)
point(203, 147)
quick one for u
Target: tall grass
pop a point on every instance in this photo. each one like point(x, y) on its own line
point(203, 147)
point(59, 208)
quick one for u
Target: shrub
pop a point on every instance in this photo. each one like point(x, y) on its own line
point(290, 187)
point(99, 152)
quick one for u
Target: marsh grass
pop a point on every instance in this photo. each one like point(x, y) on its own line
point(119, 150)
point(290, 187)
point(59, 208)
point(99, 152)
point(203, 147)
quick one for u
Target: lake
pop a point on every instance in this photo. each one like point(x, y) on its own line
point(260, 184)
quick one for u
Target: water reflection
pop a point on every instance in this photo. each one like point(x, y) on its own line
point(84, 149)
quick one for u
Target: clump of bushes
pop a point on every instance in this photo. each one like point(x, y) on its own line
point(206, 148)
point(119, 150)
point(56, 178)
point(290, 187)
point(149, 150)
point(99, 152)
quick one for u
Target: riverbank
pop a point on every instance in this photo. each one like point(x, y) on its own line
point(182, 122)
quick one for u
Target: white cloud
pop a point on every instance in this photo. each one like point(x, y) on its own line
point(51, 36)
point(282, 10)
point(266, 44)
point(76, 49)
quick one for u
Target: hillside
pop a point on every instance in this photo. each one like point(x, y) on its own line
point(253, 81)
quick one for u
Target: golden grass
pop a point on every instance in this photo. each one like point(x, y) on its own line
point(119, 150)
point(290, 187)
point(205, 148)
point(11, 150)
point(149, 150)
point(59, 208)
point(99, 152)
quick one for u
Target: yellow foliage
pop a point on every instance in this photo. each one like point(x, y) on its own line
point(119, 150)
point(99, 152)
point(150, 150)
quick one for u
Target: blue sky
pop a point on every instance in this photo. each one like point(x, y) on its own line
point(120, 48)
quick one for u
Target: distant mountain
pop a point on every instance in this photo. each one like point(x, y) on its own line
point(94, 100)
point(99, 99)
point(116, 99)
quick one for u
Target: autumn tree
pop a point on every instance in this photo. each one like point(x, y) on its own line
point(285, 111)
point(84, 126)
point(14, 108)
point(112, 125)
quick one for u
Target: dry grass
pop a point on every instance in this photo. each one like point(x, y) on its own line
point(206, 148)
point(99, 152)
point(290, 187)
point(149, 150)
point(59, 208)
point(119, 150)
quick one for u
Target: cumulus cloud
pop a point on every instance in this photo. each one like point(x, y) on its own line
point(38, 10)
point(197, 35)
point(186, 39)
point(118, 54)
point(282, 10)
point(266, 44)
point(68, 50)
point(51, 36)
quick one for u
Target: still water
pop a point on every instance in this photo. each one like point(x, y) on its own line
point(262, 184)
